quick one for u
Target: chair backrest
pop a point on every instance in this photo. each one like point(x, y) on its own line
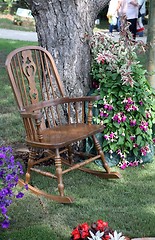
point(38, 89)
point(33, 76)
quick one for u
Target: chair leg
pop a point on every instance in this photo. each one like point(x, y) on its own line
point(99, 150)
point(32, 155)
point(58, 166)
point(70, 154)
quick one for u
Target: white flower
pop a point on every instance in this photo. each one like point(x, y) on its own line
point(117, 236)
point(97, 236)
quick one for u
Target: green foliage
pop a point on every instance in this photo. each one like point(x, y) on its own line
point(9, 5)
point(127, 102)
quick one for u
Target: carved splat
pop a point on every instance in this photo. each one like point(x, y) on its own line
point(29, 69)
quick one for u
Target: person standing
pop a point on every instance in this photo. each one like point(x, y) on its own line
point(112, 15)
point(129, 8)
point(140, 26)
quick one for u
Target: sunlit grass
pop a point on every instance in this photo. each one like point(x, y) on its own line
point(128, 204)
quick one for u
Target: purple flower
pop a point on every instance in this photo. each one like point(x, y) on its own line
point(26, 186)
point(1, 162)
point(9, 178)
point(20, 195)
point(3, 210)
point(2, 155)
point(5, 224)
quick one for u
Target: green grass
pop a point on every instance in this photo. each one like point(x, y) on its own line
point(8, 24)
point(128, 203)
point(11, 128)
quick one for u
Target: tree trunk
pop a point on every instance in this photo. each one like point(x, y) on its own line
point(151, 44)
point(63, 28)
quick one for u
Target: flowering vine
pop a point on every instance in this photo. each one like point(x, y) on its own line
point(126, 107)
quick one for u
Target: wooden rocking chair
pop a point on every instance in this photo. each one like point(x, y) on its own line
point(52, 121)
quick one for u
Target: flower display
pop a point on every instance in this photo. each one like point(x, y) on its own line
point(126, 105)
point(98, 230)
point(9, 171)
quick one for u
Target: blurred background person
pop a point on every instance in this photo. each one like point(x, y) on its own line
point(129, 8)
point(140, 25)
point(112, 16)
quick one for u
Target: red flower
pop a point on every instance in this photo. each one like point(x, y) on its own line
point(81, 231)
point(101, 225)
point(84, 230)
point(76, 233)
point(106, 237)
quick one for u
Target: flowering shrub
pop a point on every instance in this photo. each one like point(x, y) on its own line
point(98, 230)
point(9, 170)
point(126, 104)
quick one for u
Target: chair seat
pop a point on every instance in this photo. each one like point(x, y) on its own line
point(61, 136)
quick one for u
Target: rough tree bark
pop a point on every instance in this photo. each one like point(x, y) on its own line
point(151, 44)
point(62, 27)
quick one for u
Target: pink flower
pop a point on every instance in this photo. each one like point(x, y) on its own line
point(103, 114)
point(144, 126)
point(110, 107)
point(119, 117)
point(133, 122)
point(106, 137)
point(112, 135)
point(123, 166)
point(148, 114)
point(135, 145)
point(132, 138)
point(145, 150)
point(130, 101)
point(105, 106)
point(124, 118)
point(100, 58)
point(134, 108)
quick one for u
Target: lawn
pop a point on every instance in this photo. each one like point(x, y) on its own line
point(128, 204)
point(6, 21)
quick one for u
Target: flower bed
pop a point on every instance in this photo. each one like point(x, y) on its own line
point(9, 171)
point(98, 230)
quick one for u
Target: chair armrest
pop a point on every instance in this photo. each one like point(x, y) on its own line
point(85, 98)
point(36, 116)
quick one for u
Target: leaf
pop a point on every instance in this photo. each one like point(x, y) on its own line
point(138, 131)
point(121, 140)
point(139, 139)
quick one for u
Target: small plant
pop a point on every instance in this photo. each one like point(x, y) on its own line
point(17, 20)
point(97, 231)
point(126, 108)
point(9, 171)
